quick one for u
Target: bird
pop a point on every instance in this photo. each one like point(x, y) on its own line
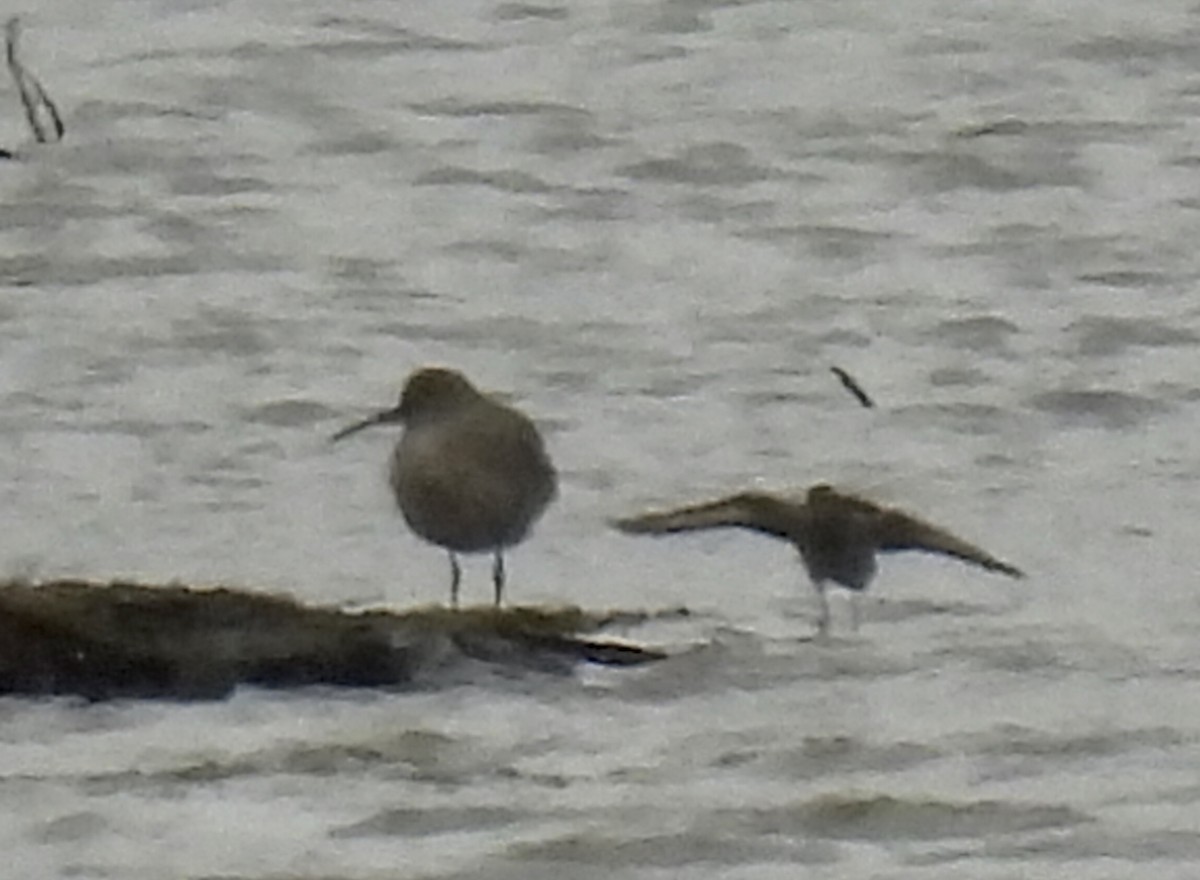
point(470, 474)
point(838, 534)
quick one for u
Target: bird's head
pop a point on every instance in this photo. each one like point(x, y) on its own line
point(428, 392)
point(432, 390)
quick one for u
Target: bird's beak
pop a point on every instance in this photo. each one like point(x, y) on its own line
point(386, 417)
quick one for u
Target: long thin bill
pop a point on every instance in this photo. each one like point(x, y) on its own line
point(377, 419)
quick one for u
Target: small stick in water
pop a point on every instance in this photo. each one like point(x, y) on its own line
point(42, 115)
point(853, 387)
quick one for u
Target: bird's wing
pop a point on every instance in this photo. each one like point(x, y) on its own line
point(502, 440)
point(748, 510)
point(897, 530)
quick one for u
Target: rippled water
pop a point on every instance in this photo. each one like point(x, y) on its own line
point(655, 226)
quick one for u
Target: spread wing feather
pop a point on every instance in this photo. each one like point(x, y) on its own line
point(897, 530)
point(888, 528)
point(747, 510)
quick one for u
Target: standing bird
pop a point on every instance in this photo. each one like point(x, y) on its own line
point(837, 534)
point(469, 473)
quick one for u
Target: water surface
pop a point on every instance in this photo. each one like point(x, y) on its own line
point(653, 226)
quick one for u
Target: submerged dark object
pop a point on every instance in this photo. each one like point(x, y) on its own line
point(104, 641)
point(851, 385)
point(40, 112)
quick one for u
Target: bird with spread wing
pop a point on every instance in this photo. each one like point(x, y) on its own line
point(838, 534)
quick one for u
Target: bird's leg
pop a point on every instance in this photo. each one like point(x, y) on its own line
point(823, 614)
point(455, 578)
point(854, 609)
point(498, 576)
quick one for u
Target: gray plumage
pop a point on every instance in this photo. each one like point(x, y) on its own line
point(838, 534)
point(470, 474)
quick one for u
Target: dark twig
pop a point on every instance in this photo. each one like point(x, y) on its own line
point(853, 387)
point(42, 115)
